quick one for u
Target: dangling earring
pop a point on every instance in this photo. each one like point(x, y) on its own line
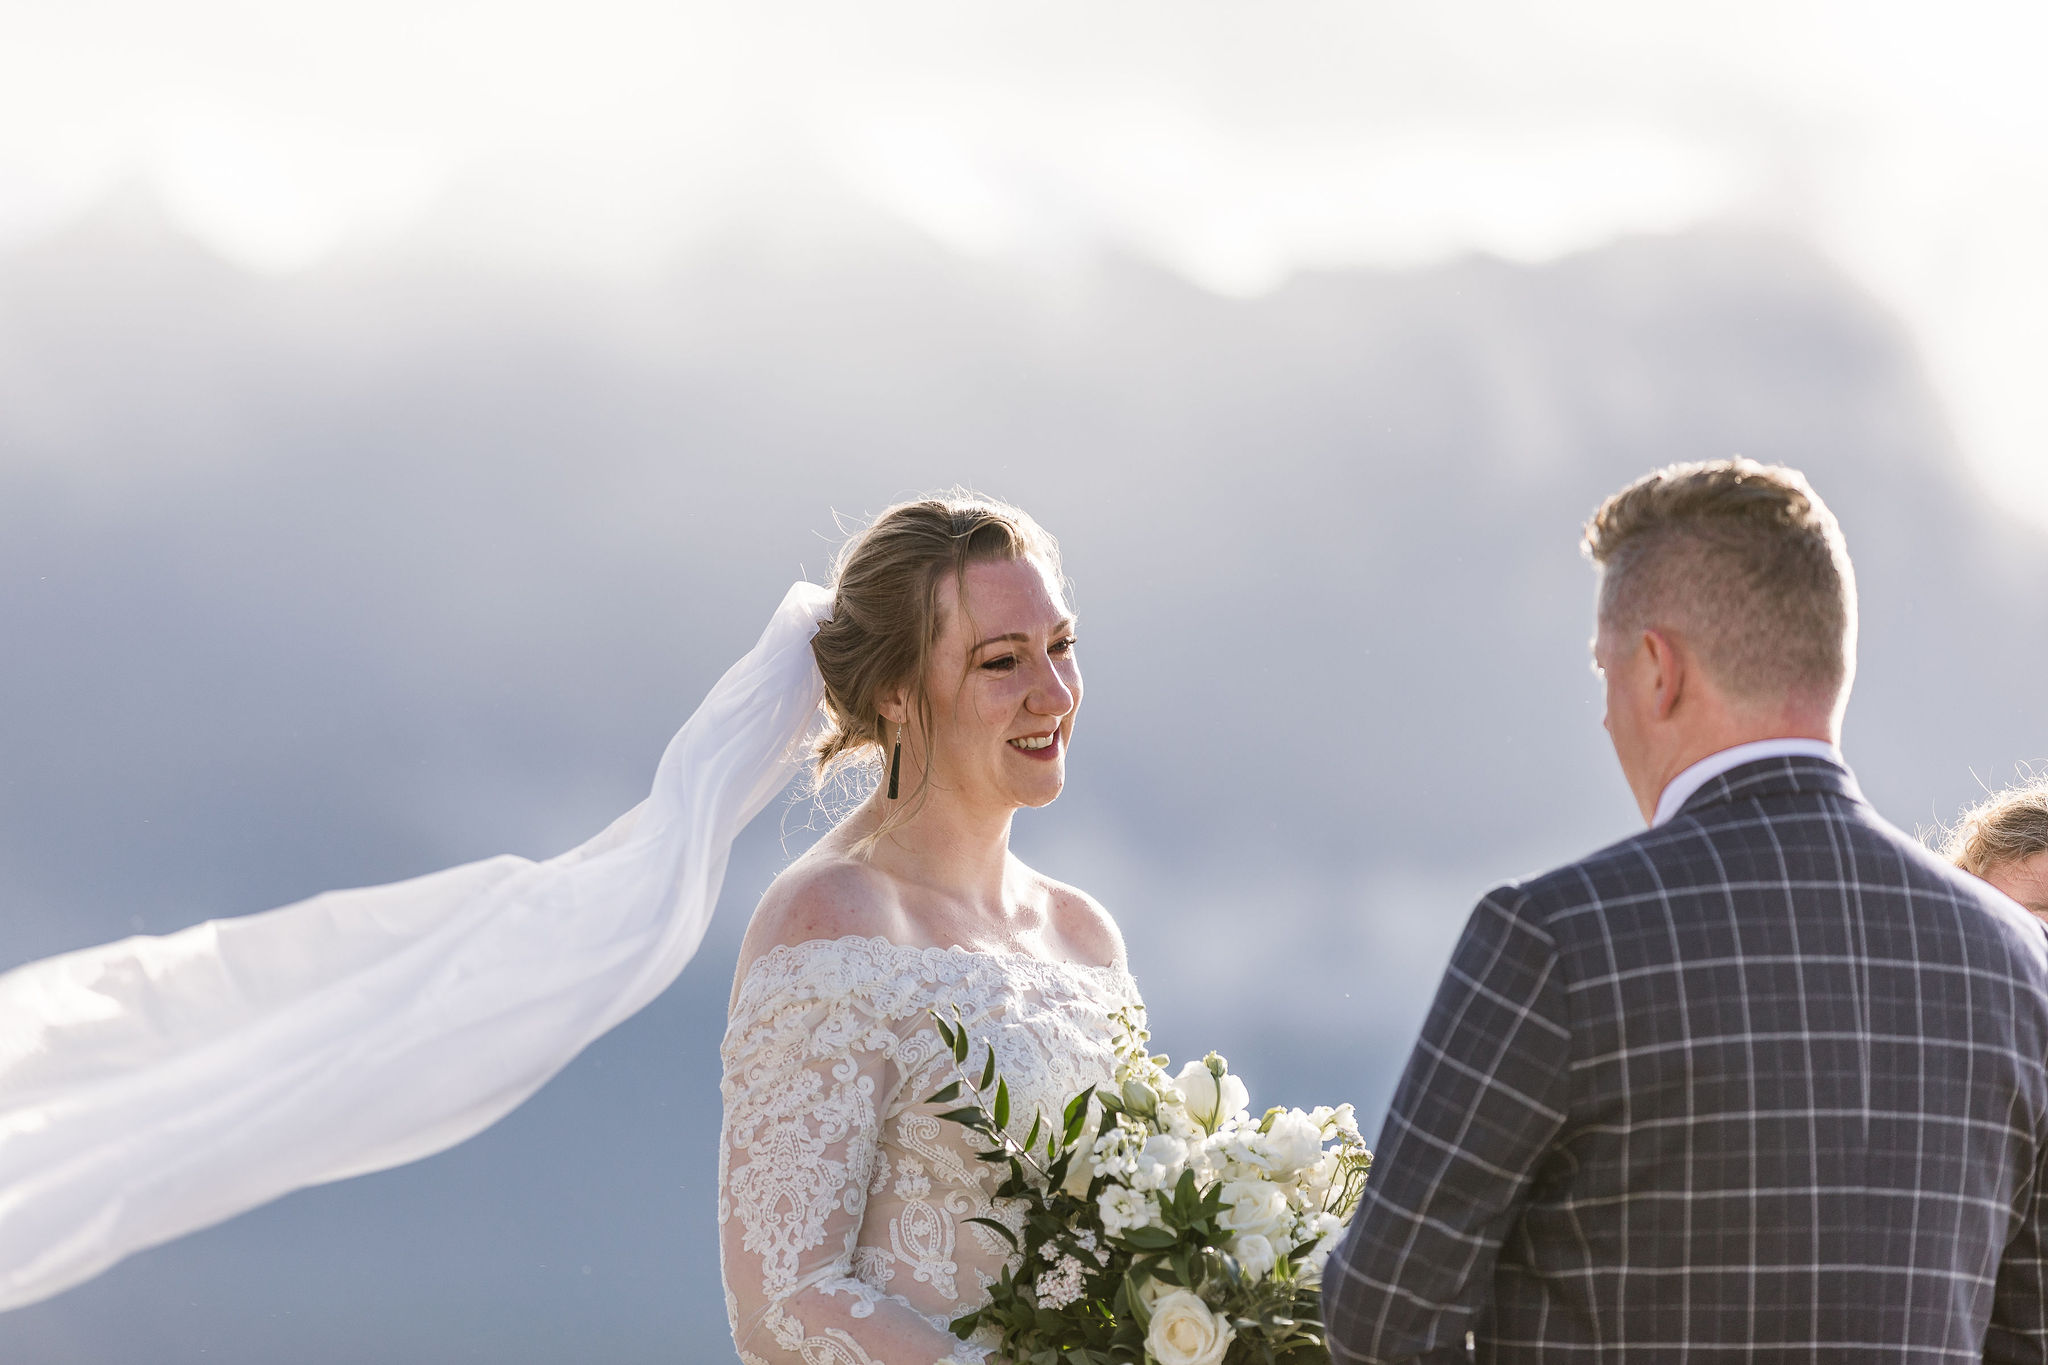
point(895, 762)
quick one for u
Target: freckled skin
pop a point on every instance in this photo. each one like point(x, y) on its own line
point(2025, 881)
point(1003, 668)
point(984, 697)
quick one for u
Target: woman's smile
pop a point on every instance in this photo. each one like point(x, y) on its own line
point(1043, 747)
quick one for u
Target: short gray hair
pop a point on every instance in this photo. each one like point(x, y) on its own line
point(1742, 561)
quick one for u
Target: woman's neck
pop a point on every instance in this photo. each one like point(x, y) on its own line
point(960, 854)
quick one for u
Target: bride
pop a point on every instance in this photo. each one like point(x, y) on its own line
point(158, 1085)
point(844, 1203)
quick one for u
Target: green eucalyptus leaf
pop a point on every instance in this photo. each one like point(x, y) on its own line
point(999, 1227)
point(1076, 1117)
point(1131, 1295)
point(947, 1095)
point(988, 1071)
point(1002, 1104)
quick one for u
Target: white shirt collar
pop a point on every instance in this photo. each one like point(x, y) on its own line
point(1681, 788)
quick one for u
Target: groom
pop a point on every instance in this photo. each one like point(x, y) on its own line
point(1764, 1082)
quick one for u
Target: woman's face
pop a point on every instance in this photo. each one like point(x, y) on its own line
point(1004, 686)
point(2026, 881)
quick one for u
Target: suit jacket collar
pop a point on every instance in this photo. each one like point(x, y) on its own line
point(1793, 773)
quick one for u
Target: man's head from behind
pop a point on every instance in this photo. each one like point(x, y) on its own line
point(2004, 840)
point(1727, 613)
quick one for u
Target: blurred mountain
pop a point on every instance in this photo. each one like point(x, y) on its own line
point(342, 577)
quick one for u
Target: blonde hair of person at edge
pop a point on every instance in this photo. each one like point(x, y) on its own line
point(2004, 840)
point(845, 1207)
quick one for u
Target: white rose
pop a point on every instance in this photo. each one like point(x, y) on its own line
point(1255, 1206)
point(1159, 1162)
point(1185, 1332)
point(1291, 1143)
point(1255, 1255)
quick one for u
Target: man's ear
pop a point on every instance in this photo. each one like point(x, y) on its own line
point(1668, 673)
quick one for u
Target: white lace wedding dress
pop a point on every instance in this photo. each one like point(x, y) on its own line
point(843, 1199)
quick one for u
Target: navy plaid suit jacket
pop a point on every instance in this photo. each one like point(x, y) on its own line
point(1768, 1083)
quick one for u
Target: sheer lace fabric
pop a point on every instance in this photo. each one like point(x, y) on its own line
point(844, 1201)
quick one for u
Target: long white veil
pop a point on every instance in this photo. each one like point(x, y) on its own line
point(155, 1086)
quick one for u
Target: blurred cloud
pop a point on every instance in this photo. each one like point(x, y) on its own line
point(344, 574)
point(1234, 146)
point(525, 352)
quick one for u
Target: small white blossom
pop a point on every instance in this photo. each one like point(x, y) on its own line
point(1061, 1285)
point(1255, 1206)
point(1114, 1153)
point(1318, 1180)
point(1341, 1121)
point(1327, 1230)
point(1122, 1210)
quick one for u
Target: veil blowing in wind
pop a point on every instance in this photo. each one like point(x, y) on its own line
point(158, 1085)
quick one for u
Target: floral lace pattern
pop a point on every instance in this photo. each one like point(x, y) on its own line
point(842, 1199)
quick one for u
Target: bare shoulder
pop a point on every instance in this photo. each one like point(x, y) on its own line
point(1081, 923)
point(820, 897)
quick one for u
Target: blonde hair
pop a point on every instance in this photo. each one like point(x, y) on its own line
point(1745, 563)
point(2004, 828)
point(885, 618)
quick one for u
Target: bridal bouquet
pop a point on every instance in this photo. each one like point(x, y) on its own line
point(1158, 1221)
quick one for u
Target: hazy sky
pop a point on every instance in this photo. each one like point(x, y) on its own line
point(1234, 143)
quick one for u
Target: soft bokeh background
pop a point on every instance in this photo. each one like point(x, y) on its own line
point(406, 411)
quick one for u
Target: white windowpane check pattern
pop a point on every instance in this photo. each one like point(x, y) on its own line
point(1769, 1082)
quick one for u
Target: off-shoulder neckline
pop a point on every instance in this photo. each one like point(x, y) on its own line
point(784, 951)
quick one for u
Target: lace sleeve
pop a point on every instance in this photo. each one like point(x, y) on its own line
point(806, 1086)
